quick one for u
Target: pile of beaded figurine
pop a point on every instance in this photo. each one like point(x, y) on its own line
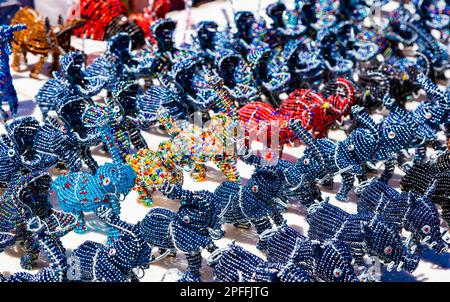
point(313, 68)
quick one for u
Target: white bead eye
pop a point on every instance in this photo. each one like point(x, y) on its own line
point(428, 115)
point(186, 219)
point(116, 109)
point(112, 252)
point(351, 147)
point(391, 135)
point(306, 161)
point(11, 152)
point(388, 249)
point(337, 272)
point(255, 189)
point(106, 181)
point(426, 229)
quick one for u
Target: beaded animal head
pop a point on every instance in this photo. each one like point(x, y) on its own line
point(72, 66)
point(400, 25)
point(333, 262)
point(276, 11)
point(245, 21)
point(116, 178)
point(423, 221)
point(206, 31)
point(120, 46)
point(263, 184)
point(7, 35)
point(382, 240)
point(162, 30)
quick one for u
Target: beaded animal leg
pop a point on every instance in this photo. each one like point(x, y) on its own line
point(37, 68)
point(199, 172)
point(228, 167)
point(137, 139)
point(421, 152)
point(113, 231)
point(15, 64)
point(389, 167)
point(262, 225)
point(145, 196)
point(89, 159)
point(31, 247)
point(55, 61)
point(81, 224)
point(193, 270)
point(347, 184)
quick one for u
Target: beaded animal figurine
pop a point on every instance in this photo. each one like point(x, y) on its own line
point(127, 96)
point(331, 261)
point(332, 54)
point(56, 271)
point(104, 19)
point(363, 233)
point(108, 121)
point(423, 175)
point(152, 168)
point(7, 92)
point(257, 202)
point(40, 39)
point(300, 177)
point(345, 157)
point(200, 145)
point(118, 262)
point(27, 198)
point(190, 230)
point(269, 77)
point(279, 32)
point(118, 63)
point(21, 149)
point(71, 83)
point(235, 264)
point(237, 76)
point(81, 192)
point(317, 111)
point(202, 89)
point(416, 214)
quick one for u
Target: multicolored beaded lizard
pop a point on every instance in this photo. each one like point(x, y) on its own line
point(152, 169)
point(198, 145)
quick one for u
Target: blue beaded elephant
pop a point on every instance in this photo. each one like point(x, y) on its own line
point(300, 178)
point(81, 192)
point(117, 262)
point(234, 263)
point(259, 202)
point(433, 173)
point(410, 211)
point(7, 92)
point(25, 198)
point(364, 233)
point(190, 230)
point(345, 157)
point(331, 261)
point(56, 271)
point(68, 85)
point(118, 63)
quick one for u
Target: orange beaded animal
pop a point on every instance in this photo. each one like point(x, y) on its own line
point(40, 39)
